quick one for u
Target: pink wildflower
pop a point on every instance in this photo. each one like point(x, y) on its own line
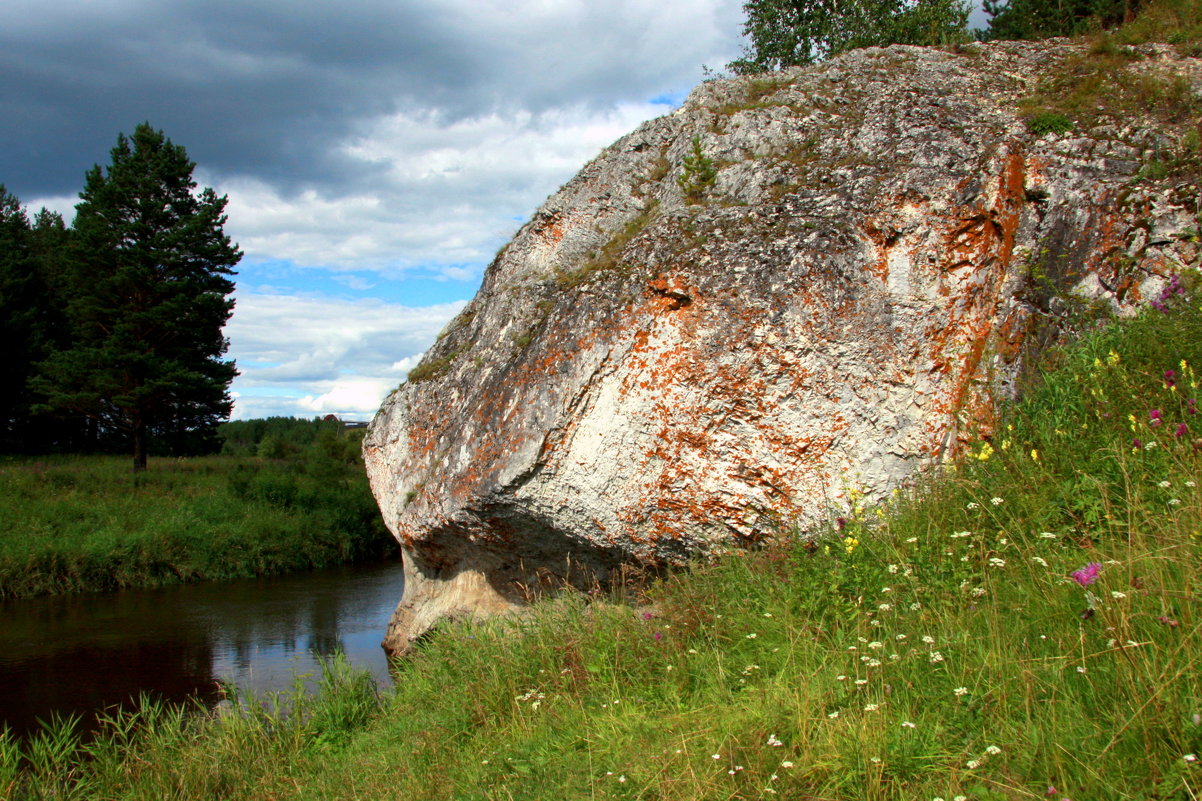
point(1087, 575)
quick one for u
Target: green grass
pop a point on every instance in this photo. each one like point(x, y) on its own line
point(81, 523)
point(1103, 85)
point(935, 647)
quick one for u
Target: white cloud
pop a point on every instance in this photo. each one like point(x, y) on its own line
point(445, 192)
point(304, 355)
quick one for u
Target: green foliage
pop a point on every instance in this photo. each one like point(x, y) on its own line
point(785, 33)
point(1046, 122)
point(148, 296)
point(1176, 22)
point(1040, 19)
point(430, 369)
point(698, 173)
point(73, 524)
point(31, 316)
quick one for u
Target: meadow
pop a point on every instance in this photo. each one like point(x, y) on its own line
point(1020, 624)
point(86, 523)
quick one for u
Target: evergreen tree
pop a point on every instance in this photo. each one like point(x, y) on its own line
point(1040, 19)
point(19, 330)
point(786, 33)
point(148, 295)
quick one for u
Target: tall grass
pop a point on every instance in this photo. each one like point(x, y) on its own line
point(1022, 625)
point(79, 523)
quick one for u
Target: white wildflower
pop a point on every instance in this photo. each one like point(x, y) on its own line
point(1039, 560)
point(960, 691)
point(936, 657)
point(997, 501)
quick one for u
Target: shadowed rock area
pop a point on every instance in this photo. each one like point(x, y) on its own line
point(794, 288)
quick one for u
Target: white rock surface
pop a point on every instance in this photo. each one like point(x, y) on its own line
point(644, 379)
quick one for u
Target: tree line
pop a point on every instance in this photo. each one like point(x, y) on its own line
point(112, 325)
point(788, 33)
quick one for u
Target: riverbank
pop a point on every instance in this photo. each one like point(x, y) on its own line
point(86, 523)
point(1024, 624)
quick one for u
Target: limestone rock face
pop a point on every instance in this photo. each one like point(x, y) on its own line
point(660, 366)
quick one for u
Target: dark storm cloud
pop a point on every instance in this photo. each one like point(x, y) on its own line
point(266, 88)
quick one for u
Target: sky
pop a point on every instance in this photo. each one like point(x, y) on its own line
point(375, 153)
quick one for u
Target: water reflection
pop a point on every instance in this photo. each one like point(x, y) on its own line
point(84, 653)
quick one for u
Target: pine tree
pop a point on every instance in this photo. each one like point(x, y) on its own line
point(18, 320)
point(148, 297)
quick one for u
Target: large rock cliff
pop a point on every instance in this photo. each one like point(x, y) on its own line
point(794, 288)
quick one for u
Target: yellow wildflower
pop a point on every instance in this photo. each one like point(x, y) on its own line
point(850, 544)
point(1113, 358)
point(985, 452)
point(1005, 444)
point(1034, 454)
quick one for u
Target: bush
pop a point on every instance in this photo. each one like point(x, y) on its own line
point(1046, 122)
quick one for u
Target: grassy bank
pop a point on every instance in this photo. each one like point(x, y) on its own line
point(1024, 625)
point(80, 523)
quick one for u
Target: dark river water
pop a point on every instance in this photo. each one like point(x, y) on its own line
point(84, 653)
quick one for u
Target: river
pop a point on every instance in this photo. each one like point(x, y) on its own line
point(83, 653)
